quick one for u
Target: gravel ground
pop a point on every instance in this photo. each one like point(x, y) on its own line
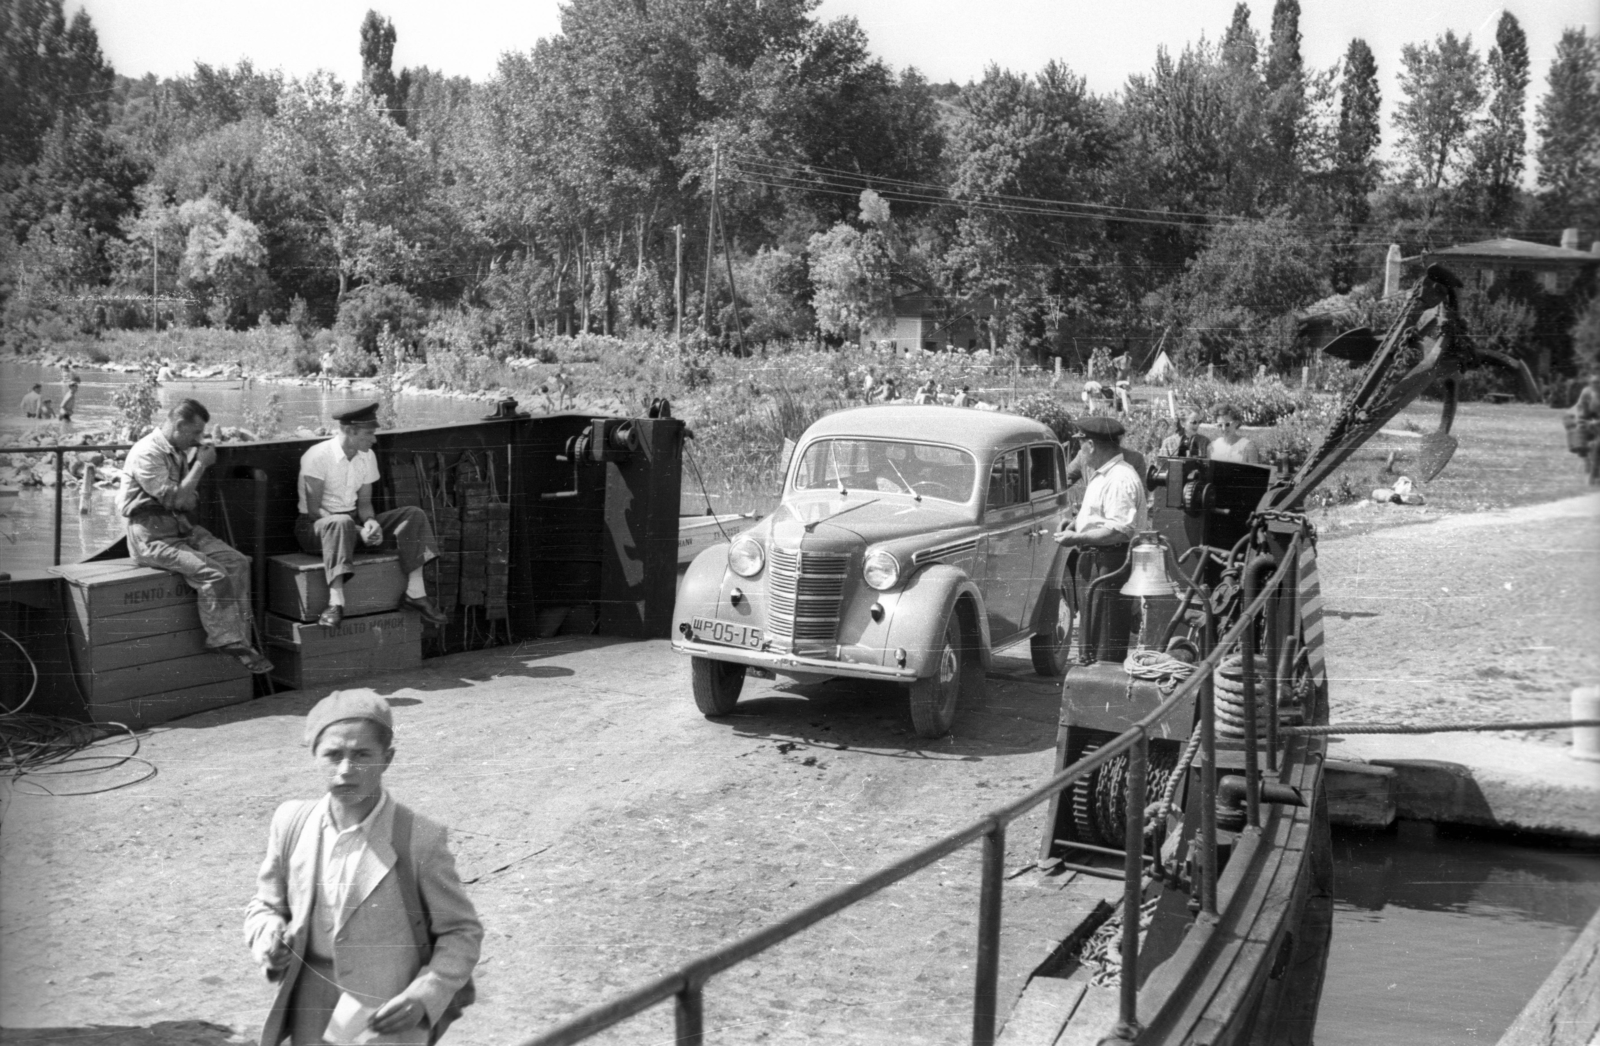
point(613, 833)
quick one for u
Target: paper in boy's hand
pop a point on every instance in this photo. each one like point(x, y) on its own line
point(348, 1027)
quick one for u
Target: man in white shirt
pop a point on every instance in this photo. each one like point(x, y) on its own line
point(1113, 511)
point(336, 478)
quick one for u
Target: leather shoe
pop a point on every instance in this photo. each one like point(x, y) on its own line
point(331, 617)
point(424, 606)
point(249, 657)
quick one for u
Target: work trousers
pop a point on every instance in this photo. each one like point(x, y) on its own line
point(336, 536)
point(219, 574)
point(1110, 615)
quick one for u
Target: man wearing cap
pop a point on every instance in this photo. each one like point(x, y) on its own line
point(1113, 511)
point(359, 896)
point(160, 488)
point(336, 478)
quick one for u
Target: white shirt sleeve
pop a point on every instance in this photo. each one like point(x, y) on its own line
point(312, 464)
point(369, 467)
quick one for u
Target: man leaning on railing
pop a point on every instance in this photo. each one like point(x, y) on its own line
point(160, 481)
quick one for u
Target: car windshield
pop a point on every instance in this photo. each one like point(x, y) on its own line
point(887, 466)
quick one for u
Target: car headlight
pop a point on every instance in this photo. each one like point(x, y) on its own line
point(745, 558)
point(881, 570)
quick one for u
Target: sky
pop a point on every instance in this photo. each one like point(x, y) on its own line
point(1104, 41)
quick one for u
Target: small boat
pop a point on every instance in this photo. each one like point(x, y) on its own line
point(698, 533)
point(215, 384)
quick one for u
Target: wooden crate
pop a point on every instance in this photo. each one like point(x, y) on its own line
point(153, 709)
point(296, 587)
point(306, 655)
point(139, 652)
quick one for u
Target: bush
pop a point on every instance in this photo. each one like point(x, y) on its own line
point(346, 360)
point(370, 309)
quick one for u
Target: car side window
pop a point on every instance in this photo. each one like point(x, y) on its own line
point(1042, 477)
point(1005, 480)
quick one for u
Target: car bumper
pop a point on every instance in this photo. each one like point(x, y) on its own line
point(793, 662)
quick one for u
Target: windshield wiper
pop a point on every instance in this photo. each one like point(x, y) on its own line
point(909, 488)
point(809, 527)
point(834, 462)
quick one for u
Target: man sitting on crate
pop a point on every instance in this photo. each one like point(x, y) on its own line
point(336, 478)
point(160, 480)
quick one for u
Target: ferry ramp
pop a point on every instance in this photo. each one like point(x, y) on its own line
point(608, 833)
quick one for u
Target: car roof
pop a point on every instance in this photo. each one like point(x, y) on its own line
point(963, 426)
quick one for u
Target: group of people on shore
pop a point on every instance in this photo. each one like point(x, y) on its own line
point(887, 391)
point(359, 917)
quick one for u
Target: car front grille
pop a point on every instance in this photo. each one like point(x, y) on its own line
point(804, 590)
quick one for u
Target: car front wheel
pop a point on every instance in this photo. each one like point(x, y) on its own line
point(1051, 646)
point(716, 684)
point(934, 699)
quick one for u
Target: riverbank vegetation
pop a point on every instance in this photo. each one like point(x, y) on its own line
point(750, 174)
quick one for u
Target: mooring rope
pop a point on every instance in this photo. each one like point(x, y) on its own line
point(1435, 728)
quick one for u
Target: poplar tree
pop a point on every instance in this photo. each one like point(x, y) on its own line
point(1286, 86)
point(1568, 129)
point(377, 66)
point(1499, 146)
point(1356, 167)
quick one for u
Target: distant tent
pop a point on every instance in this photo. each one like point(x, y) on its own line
point(1162, 370)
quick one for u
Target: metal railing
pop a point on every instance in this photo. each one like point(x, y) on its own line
point(686, 985)
point(60, 453)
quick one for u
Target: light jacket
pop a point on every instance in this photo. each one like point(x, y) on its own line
point(375, 954)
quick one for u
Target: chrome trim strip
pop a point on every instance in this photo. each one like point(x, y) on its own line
point(953, 548)
point(805, 664)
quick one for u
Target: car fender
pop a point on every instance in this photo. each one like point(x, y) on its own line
point(700, 591)
point(920, 612)
point(1044, 608)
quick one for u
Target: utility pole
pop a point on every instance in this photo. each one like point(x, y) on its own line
point(733, 291)
point(711, 239)
point(677, 287)
point(155, 281)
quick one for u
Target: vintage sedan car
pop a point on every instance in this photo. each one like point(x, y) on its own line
point(912, 542)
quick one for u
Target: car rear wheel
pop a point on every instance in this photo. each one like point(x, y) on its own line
point(934, 699)
point(716, 684)
point(1051, 646)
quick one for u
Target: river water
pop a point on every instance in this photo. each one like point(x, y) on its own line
point(1440, 936)
point(26, 520)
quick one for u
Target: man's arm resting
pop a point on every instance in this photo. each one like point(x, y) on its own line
point(312, 486)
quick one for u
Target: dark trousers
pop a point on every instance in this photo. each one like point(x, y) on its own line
point(337, 536)
point(1106, 627)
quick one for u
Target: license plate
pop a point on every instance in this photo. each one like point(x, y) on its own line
point(726, 633)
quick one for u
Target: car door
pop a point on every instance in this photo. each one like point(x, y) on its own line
point(1047, 502)
point(1008, 537)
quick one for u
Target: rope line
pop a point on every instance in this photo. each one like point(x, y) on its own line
point(1437, 728)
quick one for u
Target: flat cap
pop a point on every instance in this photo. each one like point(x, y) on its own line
point(364, 415)
point(1100, 426)
point(341, 705)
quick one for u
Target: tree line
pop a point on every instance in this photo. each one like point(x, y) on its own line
point(743, 168)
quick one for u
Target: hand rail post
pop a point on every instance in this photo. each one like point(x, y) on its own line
point(1274, 641)
point(1133, 887)
point(1252, 768)
point(1208, 780)
point(56, 560)
point(689, 1016)
point(985, 994)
